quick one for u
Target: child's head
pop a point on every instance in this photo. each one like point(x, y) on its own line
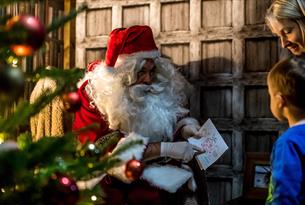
point(286, 86)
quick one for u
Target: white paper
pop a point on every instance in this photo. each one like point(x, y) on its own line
point(210, 141)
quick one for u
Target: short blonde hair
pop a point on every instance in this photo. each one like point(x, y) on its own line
point(288, 77)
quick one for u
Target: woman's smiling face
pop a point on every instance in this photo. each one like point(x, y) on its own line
point(290, 34)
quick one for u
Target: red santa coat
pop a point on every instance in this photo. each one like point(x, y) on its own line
point(88, 115)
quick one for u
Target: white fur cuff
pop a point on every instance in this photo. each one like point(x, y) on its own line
point(136, 151)
point(89, 184)
point(167, 177)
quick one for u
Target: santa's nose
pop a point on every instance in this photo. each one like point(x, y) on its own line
point(147, 79)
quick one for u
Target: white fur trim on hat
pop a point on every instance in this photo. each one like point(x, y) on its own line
point(142, 54)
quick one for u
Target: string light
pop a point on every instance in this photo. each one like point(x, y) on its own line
point(13, 61)
point(65, 181)
point(2, 138)
point(91, 146)
point(93, 198)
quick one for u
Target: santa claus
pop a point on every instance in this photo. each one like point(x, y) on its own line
point(142, 95)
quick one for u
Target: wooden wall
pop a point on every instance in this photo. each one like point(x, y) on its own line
point(224, 48)
point(52, 51)
point(52, 54)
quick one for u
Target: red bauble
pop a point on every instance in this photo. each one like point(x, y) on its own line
point(71, 101)
point(60, 190)
point(133, 169)
point(32, 38)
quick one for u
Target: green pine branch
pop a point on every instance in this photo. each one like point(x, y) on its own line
point(26, 171)
point(109, 161)
point(25, 110)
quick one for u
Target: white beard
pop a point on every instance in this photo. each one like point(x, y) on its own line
point(149, 110)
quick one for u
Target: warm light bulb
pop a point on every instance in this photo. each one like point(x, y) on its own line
point(22, 50)
point(65, 181)
point(91, 146)
point(93, 198)
point(2, 138)
point(15, 62)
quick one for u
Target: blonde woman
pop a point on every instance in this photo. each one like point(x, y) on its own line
point(286, 19)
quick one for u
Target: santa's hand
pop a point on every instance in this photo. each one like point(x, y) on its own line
point(178, 150)
point(190, 130)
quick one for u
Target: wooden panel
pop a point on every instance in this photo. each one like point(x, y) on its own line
point(175, 16)
point(216, 13)
point(56, 4)
point(257, 102)
point(135, 15)
point(259, 141)
point(51, 53)
point(261, 54)
point(226, 158)
point(220, 190)
point(216, 57)
point(216, 102)
point(255, 11)
point(95, 54)
point(68, 34)
point(98, 22)
point(179, 54)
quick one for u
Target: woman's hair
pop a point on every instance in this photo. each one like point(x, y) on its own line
point(288, 77)
point(288, 9)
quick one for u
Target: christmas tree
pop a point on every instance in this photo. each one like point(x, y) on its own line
point(52, 170)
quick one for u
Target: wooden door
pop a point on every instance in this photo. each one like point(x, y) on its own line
point(224, 48)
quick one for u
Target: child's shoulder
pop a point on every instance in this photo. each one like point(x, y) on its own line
point(294, 134)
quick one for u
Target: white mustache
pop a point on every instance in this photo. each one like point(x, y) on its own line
point(138, 92)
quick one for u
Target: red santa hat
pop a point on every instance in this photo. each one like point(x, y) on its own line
point(133, 40)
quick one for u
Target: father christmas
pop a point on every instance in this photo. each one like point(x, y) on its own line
point(141, 94)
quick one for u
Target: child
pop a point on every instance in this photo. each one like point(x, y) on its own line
point(286, 86)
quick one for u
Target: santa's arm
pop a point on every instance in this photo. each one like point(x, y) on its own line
point(152, 151)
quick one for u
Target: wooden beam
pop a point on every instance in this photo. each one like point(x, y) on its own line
point(67, 36)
